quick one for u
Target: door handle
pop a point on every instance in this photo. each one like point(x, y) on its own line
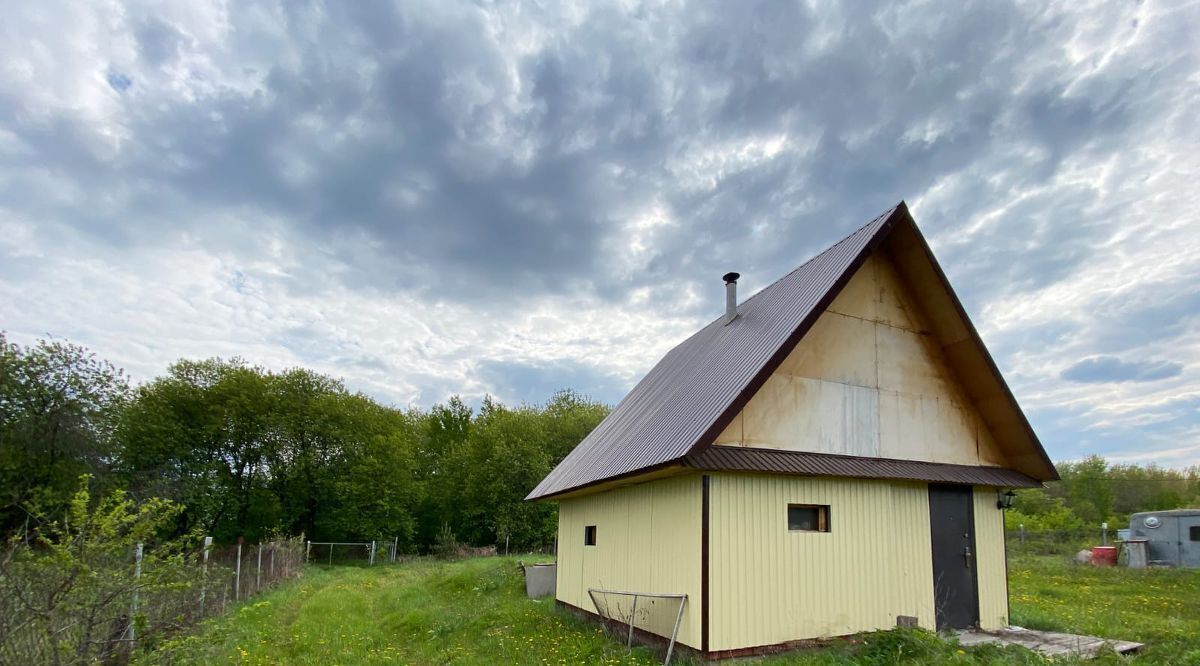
point(967, 556)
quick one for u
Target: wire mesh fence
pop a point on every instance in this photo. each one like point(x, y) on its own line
point(354, 553)
point(242, 571)
point(47, 617)
point(1021, 541)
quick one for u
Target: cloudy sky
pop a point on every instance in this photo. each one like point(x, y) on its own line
point(513, 197)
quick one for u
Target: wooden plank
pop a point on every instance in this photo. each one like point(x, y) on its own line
point(1049, 643)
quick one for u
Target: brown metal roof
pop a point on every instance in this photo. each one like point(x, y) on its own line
point(677, 403)
point(747, 459)
point(685, 401)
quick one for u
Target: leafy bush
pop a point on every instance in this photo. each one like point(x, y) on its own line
point(68, 585)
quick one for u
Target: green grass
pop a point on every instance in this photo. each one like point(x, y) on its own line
point(475, 612)
point(1158, 607)
point(424, 612)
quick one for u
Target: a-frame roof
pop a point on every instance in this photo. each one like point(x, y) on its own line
point(693, 393)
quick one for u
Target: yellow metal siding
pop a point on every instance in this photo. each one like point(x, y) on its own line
point(768, 585)
point(647, 540)
point(991, 570)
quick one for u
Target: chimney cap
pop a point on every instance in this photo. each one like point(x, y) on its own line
point(730, 277)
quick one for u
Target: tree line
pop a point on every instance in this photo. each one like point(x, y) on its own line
point(1093, 491)
point(252, 453)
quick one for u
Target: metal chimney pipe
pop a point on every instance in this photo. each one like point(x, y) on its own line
point(730, 296)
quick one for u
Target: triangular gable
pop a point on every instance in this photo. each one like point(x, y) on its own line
point(965, 353)
point(701, 385)
point(868, 379)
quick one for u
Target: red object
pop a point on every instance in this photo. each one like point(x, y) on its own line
point(1104, 556)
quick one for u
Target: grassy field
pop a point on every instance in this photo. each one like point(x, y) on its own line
point(475, 612)
point(1158, 607)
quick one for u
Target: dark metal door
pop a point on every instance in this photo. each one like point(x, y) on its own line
point(952, 525)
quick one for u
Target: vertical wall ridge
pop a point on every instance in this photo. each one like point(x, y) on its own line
point(646, 542)
point(769, 585)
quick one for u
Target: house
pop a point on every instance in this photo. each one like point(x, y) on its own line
point(827, 458)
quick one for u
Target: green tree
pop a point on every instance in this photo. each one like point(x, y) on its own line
point(1087, 489)
point(250, 452)
point(506, 453)
point(569, 417)
point(1038, 511)
point(375, 491)
point(58, 406)
point(309, 425)
point(1150, 488)
point(506, 457)
point(199, 436)
point(442, 437)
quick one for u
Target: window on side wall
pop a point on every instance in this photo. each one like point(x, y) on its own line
point(808, 518)
point(1194, 532)
point(589, 535)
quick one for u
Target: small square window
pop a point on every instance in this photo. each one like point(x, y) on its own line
point(808, 518)
point(589, 535)
point(1194, 532)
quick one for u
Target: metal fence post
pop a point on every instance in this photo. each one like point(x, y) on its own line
point(307, 552)
point(237, 576)
point(204, 577)
point(675, 631)
point(371, 555)
point(258, 570)
point(272, 565)
point(331, 554)
point(395, 548)
point(137, 575)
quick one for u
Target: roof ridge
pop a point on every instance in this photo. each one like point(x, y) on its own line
point(886, 214)
point(883, 216)
point(831, 248)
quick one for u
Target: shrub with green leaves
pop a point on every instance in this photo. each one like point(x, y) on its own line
point(67, 585)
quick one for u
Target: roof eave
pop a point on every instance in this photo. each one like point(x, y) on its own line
point(1051, 470)
point(812, 464)
point(653, 472)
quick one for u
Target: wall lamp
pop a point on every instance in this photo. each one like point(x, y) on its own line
point(1005, 501)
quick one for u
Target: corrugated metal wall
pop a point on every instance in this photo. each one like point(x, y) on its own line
point(647, 539)
point(991, 570)
point(769, 585)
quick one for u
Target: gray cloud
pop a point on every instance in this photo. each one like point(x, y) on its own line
point(159, 43)
point(407, 126)
point(1113, 369)
point(533, 384)
point(392, 191)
